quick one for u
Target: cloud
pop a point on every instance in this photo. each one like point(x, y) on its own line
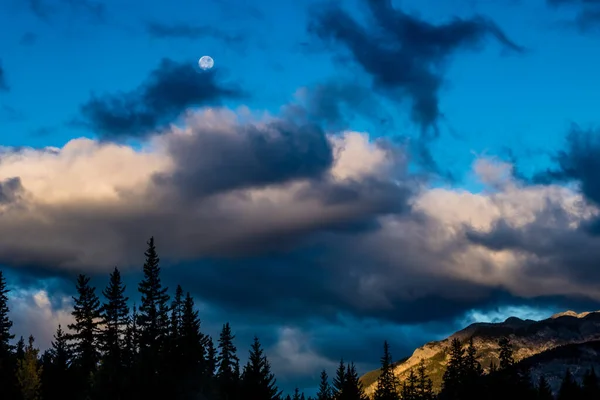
point(191, 32)
point(3, 84)
point(166, 93)
point(405, 56)
point(587, 17)
point(46, 10)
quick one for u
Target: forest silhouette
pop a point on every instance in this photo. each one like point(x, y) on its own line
point(157, 351)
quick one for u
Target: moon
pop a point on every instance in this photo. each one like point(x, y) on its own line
point(206, 62)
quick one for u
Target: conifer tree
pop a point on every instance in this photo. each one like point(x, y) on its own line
point(472, 372)
point(114, 315)
point(590, 387)
point(56, 376)
point(424, 386)
point(258, 382)
point(7, 364)
point(409, 387)
point(152, 327)
point(211, 357)
point(353, 388)
point(84, 339)
point(296, 394)
point(506, 354)
point(29, 373)
point(324, 387)
point(191, 347)
point(20, 349)
point(339, 382)
point(569, 388)
point(387, 383)
point(453, 377)
point(228, 373)
point(544, 392)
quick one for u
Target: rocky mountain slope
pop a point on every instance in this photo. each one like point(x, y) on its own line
point(529, 338)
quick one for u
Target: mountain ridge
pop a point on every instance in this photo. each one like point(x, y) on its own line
point(529, 338)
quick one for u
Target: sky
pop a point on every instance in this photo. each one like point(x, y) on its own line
point(348, 172)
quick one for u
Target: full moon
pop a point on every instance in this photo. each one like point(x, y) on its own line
point(206, 62)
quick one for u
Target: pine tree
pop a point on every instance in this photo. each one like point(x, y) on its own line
point(191, 343)
point(20, 349)
point(409, 387)
point(152, 327)
point(257, 380)
point(228, 373)
point(339, 382)
point(506, 354)
point(296, 394)
point(590, 387)
point(472, 372)
point(324, 387)
point(29, 373)
point(7, 362)
point(353, 388)
point(56, 376)
point(544, 392)
point(452, 384)
point(211, 357)
point(114, 316)
point(86, 313)
point(424, 386)
point(387, 383)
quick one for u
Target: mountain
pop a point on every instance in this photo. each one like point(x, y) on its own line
point(529, 338)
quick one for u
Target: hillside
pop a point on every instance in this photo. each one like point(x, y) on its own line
point(528, 337)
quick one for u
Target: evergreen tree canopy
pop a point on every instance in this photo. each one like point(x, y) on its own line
point(325, 392)
point(454, 375)
point(257, 380)
point(424, 385)
point(5, 323)
point(86, 313)
point(590, 387)
point(506, 353)
point(387, 384)
point(339, 381)
point(114, 315)
point(569, 388)
point(544, 392)
point(29, 373)
point(228, 365)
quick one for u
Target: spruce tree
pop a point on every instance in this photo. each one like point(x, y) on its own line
point(569, 388)
point(211, 357)
point(506, 354)
point(409, 387)
point(191, 344)
point(152, 327)
point(452, 384)
point(590, 387)
point(57, 374)
point(387, 383)
point(258, 382)
point(7, 361)
point(228, 372)
point(20, 349)
point(472, 372)
point(324, 387)
point(339, 382)
point(29, 373)
point(114, 316)
point(296, 394)
point(353, 388)
point(84, 336)
point(544, 392)
point(424, 386)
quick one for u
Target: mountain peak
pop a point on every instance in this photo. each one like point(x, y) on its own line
point(570, 313)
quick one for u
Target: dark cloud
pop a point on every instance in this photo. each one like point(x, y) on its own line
point(168, 91)
point(254, 156)
point(3, 83)
point(587, 16)
point(404, 55)
point(192, 32)
point(10, 189)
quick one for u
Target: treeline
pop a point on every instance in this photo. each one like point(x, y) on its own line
point(464, 379)
point(158, 351)
point(153, 351)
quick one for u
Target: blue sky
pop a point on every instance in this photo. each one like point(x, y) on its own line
point(503, 101)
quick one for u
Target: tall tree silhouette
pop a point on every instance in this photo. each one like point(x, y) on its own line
point(452, 384)
point(84, 336)
point(424, 386)
point(353, 388)
point(506, 353)
point(409, 386)
point(7, 361)
point(258, 382)
point(57, 379)
point(472, 372)
point(193, 363)
point(151, 324)
point(29, 373)
point(114, 317)
point(325, 392)
point(387, 384)
point(339, 381)
point(228, 375)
